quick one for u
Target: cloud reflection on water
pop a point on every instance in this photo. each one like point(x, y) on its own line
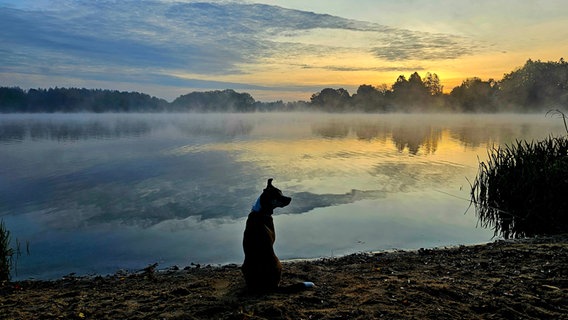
point(158, 185)
point(148, 169)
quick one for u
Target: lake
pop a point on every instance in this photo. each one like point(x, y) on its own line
point(96, 193)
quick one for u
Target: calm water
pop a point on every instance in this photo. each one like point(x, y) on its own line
point(93, 194)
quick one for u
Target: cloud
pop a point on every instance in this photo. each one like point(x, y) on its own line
point(406, 45)
point(349, 68)
point(307, 201)
point(155, 41)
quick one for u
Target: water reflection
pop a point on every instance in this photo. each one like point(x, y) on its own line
point(414, 139)
point(332, 129)
point(74, 127)
point(409, 132)
point(157, 183)
point(177, 166)
point(70, 129)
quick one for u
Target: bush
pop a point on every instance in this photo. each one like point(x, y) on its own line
point(521, 190)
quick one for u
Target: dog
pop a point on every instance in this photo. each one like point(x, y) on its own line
point(261, 268)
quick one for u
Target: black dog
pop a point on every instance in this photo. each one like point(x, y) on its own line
point(262, 269)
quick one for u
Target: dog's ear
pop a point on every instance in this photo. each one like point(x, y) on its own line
point(269, 183)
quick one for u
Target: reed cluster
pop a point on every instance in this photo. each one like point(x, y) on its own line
point(6, 253)
point(521, 191)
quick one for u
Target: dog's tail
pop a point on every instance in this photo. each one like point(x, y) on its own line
point(296, 287)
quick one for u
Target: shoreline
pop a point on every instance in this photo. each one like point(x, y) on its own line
point(504, 279)
point(175, 267)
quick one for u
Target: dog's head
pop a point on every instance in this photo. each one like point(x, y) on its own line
point(271, 198)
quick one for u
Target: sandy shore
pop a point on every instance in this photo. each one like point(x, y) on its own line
point(522, 279)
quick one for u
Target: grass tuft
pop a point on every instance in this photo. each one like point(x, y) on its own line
point(521, 191)
point(6, 253)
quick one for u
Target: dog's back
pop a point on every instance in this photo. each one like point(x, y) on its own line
point(261, 268)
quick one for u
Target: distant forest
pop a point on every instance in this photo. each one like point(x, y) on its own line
point(535, 87)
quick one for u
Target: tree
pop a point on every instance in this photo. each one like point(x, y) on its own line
point(475, 95)
point(12, 99)
point(370, 99)
point(215, 101)
point(411, 94)
point(432, 83)
point(334, 100)
point(77, 100)
point(536, 86)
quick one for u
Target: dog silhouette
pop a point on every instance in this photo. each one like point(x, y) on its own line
point(261, 268)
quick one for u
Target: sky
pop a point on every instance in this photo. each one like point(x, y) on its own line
point(273, 49)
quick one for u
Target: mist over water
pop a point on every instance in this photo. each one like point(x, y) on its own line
point(94, 193)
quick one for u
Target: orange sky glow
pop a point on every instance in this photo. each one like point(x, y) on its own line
point(273, 49)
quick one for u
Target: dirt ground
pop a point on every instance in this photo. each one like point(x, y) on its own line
point(521, 279)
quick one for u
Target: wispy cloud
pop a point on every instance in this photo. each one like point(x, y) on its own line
point(348, 68)
point(405, 45)
point(147, 41)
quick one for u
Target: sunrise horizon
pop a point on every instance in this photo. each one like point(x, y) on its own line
point(273, 50)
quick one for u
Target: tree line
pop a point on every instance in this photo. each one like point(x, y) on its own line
point(534, 87)
point(77, 100)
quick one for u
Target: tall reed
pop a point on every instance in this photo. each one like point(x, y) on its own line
point(522, 190)
point(6, 253)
